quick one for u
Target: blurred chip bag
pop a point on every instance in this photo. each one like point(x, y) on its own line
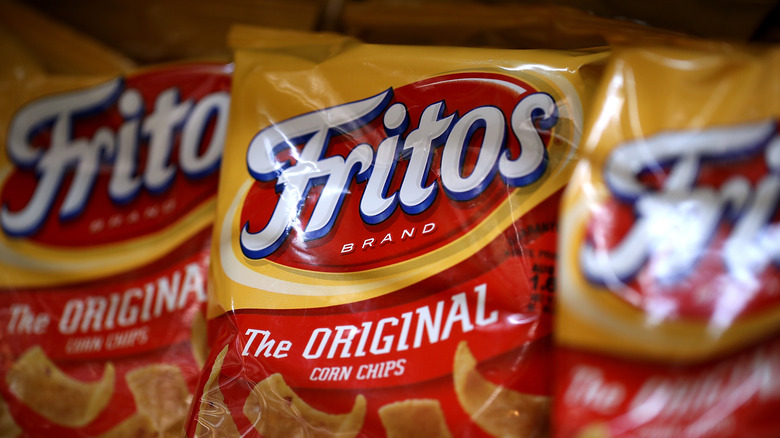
point(107, 183)
point(669, 304)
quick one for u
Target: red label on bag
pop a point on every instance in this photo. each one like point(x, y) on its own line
point(116, 161)
point(607, 397)
point(696, 234)
point(415, 339)
point(122, 316)
point(385, 179)
point(402, 346)
point(106, 218)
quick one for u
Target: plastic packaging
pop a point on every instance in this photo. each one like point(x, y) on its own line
point(668, 317)
point(107, 186)
point(384, 250)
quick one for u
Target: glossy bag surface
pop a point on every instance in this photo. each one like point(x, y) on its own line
point(107, 186)
point(384, 252)
point(668, 296)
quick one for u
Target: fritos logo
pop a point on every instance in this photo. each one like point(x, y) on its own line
point(97, 165)
point(401, 172)
point(692, 225)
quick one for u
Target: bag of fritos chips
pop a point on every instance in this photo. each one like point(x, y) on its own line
point(384, 249)
point(107, 186)
point(668, 296)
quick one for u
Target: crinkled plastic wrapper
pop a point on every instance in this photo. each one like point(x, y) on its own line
point(668, 317)
point(107, 186)
point(384, 249)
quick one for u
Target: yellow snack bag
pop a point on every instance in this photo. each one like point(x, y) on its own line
point(107, 185)
point(385, 238)
point(668, 316)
